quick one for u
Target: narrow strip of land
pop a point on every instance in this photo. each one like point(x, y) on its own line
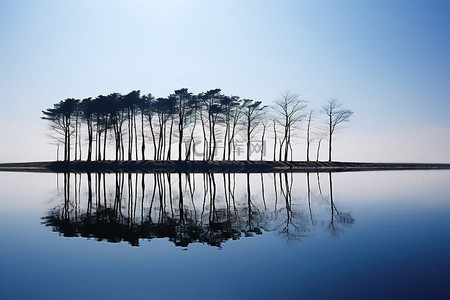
point(209, 166)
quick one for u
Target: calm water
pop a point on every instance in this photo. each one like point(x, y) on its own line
point(372, 235)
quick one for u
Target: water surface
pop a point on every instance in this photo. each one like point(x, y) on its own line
point(367, 235)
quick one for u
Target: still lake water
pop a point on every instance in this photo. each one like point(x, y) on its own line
point(367, 235)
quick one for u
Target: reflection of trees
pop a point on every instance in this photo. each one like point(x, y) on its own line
point(176, 207)
point(294, 225)
point(338, 219)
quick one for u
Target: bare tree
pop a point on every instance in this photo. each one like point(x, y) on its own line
point(336, 115)
point(309, 139)
point(289, 111)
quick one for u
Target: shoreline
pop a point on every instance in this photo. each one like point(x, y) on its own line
point(171, 166)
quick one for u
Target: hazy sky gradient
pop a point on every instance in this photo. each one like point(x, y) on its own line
point(388, 61)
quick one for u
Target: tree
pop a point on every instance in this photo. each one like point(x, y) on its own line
point(87, 110)
point(308, 133)
point(264, 127)
point(192, 121)
point(289, 111)
point(230, 116)
point(275, 136)
point(101, 111)
point(252, 112)
point(130, 102)
point(150, 105)
point(145, 107)
point(77, 115)
point(320, 138)
point(116, 116)
point(60, 117)
point(171, 112)
point(212, 104)
point(165, 110)
point(336, 115)
point(183, 109)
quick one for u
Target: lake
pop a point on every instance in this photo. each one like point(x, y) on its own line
point(358, 235)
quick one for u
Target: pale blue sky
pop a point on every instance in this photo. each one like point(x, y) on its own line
point(388, 61)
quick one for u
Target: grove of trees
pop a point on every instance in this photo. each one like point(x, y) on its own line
point(186, 126)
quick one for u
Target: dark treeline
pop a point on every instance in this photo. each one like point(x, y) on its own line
point(182, 126)
point(189, 208)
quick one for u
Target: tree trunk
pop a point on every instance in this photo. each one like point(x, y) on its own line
point(248, 139)
point(213, 153)
point(135, 135)
point(153, 137)
point(275, 141)
point(164, 146)
point(90, 138)
point(130, 134)
point(286, 146)
point(281, 146)
point(65, 143)
point(227, 129)
point(104, 139)
point(143, 135)
point(180, 134)
point(99, 144)
point(205, 140)
point(318, 149)
point(210, 136)
point(331, 133)
point(170, 139)
point(76, 136)
point(191, 141)
point(262, 142)
point(308, 140)
point(180, 144)
point(116, 139)
point(79, 143)
point(161, 136)
point(68, 139)
point(329, 144)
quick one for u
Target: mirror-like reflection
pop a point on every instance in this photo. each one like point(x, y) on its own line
point(194, 208)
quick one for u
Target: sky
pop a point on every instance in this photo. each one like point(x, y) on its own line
point(387, 61)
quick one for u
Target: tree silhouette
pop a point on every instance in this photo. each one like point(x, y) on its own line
point(336, 115)
point(211, 103)
point(235, 114)
point(60, 117)
point(311, 116)
point(192, 118)
point(130, 121)
point(130, 102)
point(289, 111)
point(252, 112)
point(183, 109)
point(87, 110)
point(116, 118)
point(149, 105)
